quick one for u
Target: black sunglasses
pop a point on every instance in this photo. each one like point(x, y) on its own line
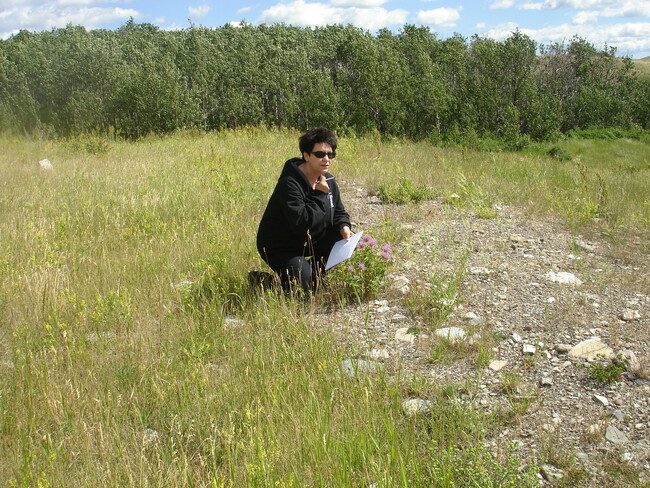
point(322, 154)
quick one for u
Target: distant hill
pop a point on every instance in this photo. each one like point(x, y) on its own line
point(643, 66)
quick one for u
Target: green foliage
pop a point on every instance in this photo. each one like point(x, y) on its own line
point(404, 192)
point(472, 195)
point(363, 275)
point(437, 301)
point(558, 153)
point(140, 79)
point(606, 373)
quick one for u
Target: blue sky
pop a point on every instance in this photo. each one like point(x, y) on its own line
point(621, 24)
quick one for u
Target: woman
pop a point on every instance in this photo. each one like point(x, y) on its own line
point(305, 215)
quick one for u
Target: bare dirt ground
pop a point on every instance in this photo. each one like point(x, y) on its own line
point(590, 433)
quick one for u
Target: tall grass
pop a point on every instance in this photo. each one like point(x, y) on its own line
point(120, 364)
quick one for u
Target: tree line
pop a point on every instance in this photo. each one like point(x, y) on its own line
point(138, 79)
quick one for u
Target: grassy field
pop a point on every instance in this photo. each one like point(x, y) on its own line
point(121, 270)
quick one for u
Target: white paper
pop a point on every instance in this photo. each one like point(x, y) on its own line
point(342, 250)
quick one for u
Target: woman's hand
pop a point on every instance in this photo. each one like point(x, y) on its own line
point(321, 184)
point(346, 233)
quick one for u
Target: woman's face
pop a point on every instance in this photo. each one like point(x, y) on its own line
point(317, 166)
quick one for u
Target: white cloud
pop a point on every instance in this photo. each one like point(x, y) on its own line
point(48, 15)
point(301, 13)
point(502, 4)
point(440, 16)
point(358, 3)
point(628, 10)
point(198, 12)
point(627, 38)
point(243, 10)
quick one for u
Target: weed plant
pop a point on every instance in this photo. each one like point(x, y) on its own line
point(362, 276)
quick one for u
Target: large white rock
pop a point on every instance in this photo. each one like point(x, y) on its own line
point(45, 164)
point(453, 334)
point(564, 278)
point(590, 349)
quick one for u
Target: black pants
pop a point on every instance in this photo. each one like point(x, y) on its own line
point(305, 268)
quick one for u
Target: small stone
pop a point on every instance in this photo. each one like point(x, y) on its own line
point(584, 246)
point(618, 415)
point(546, 381)
point(398, 317)
point(404, 335)
point(354, 367)
point(562, 348)
point(414, 406)
point(529, 349)
point(150, 436)
point(550, 472)
point(516, 337)
point(232, 322)
point(630, 315)
point(400, 283)
point(551, 300)
point(516, 238)
point(497, 365)
point(379, 354)
point(602, 400)
point(612, 434)
point(479, 271)
point(383, 309)
point(626, 457)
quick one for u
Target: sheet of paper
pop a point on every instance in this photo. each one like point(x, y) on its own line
point(342, 250)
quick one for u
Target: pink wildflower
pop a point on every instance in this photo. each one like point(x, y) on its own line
point(362, 266)
point(385, 255)
point(386, 248)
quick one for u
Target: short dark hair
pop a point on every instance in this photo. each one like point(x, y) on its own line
point(313, 136)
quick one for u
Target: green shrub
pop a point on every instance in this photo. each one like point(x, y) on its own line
point(404, 192)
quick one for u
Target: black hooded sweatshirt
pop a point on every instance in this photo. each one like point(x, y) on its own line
point(296, 212)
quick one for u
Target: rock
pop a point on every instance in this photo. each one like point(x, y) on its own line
point(516, 238)
point(618, 415)
point(562, 348)
point(602, 399)
point(400, 283)
point(631, 362)
point(453, 334)
point(546, 381)
point(551, 473)
point(590, 349)
point(612, 434)
point(398, 317)
point(232, 322)
point(564, 278)
point(630, 315)
point(497, 365)
point(379, 354)
point(45, 165)
point(479, 271)
point(584, 246)
point(355, 367)
point(529, 349)
point(414, 406)
point(150, 436)
point(404, 335)
point(383, 309)
point(516, 337)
